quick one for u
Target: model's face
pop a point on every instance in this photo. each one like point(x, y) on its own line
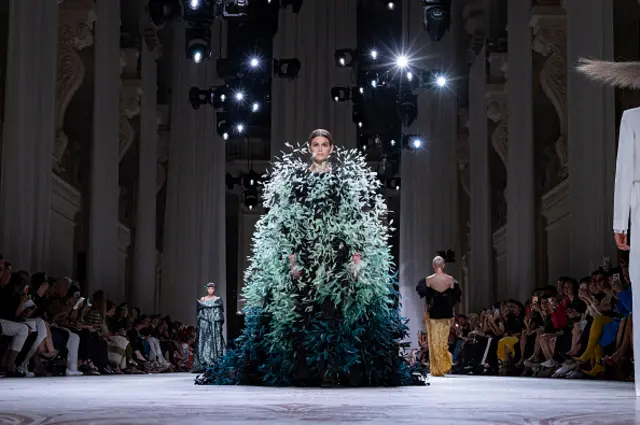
point(211, 291)
point(320, 148)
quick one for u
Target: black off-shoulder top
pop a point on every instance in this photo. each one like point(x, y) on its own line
point(441, 304)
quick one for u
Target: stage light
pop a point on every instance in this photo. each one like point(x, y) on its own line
point(239, 96)
point(410, 76)
point(361, 90)
point(345, 57)
point(198, 97)
point(441, 81)
point(392, 142)
point(286, 68)
point(239, 128)
point(402, 61)
point(198, 13)
point(437, 18)
point(374, 54)
point(255, 107)
point(340, 94)
point(254, 62)
point(416, 143)
point(197, 43)
point(391, 5)
point(194, 4)
point(360, 124)
point(234, 8)
point(162, 11)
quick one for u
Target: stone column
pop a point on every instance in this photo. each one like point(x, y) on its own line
point(304, 104)
point(481, 292)
point(29, 133)
point(428, 197)
point(194, 233)
point(497, 111)
point(102, 255)
point(591, 131)
point(521, 204)
point(144, 287)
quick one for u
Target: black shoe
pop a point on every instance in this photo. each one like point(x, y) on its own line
point(14, 374)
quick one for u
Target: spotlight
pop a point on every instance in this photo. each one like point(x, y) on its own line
point(240, 128)
point(233, 8)
point(409, 76)
point(162, 11)
point(374, 54)
point(394, 183)
point(391, 5)
point(198, 43)
point(239, 96)
point(392, 142)
point(412, 141)
point(198, 12)
point(402, 61)
point(340, 94)
point(437, 18)
point(255, 107)
point(441, 81)
point(345, 57)
point(286, 68)
point(198, 97)
point(251, 179)
point(254, 63)
point(251, 198)
point(374, 83)
point(361, 90)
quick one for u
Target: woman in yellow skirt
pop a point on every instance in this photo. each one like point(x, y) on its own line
point(441, 293)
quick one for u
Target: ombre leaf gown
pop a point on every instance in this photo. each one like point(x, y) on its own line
point(336, 318)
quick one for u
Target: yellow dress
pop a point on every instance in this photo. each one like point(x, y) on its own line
point(438, 319)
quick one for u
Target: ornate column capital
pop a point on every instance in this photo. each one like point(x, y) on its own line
point(75, 32)
point(498, 65)
point(149, 31)
point(475, 24)
point(549, 24)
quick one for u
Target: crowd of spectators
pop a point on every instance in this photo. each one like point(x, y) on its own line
point(49, 327)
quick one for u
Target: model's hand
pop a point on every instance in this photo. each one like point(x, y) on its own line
point(621, 241)
point(356, 258)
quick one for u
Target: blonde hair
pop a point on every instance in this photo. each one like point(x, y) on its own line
point(438, 262)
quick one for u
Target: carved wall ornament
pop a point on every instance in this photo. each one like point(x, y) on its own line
point(76, 20)
point(130, 95)
point(550, 40)
point(498, 112)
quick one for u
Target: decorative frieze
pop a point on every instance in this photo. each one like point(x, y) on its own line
point(130, 93)
point(76, 19)
point(549, 25)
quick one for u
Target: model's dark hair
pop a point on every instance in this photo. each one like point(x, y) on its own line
point(320, 133)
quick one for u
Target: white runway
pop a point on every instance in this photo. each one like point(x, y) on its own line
point(174, 400)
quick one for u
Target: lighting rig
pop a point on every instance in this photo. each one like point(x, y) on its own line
point(437, 18)
point(199, 15)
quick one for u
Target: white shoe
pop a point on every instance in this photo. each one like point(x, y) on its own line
point(564, 370)
point(550, 363)
point(531, 363)
point(70, 372)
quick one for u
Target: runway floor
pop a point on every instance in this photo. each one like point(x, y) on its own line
point(174, 399)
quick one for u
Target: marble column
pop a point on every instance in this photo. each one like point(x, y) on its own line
point(591, 132)
point(304, 104)
point(144, 285)
point(29, 133)
point(428, 197)
point(521, 204)
point(481, 292)
point(194, 233)
point(102, 255)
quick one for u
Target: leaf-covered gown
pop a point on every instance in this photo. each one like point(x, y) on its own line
point(337, 318)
